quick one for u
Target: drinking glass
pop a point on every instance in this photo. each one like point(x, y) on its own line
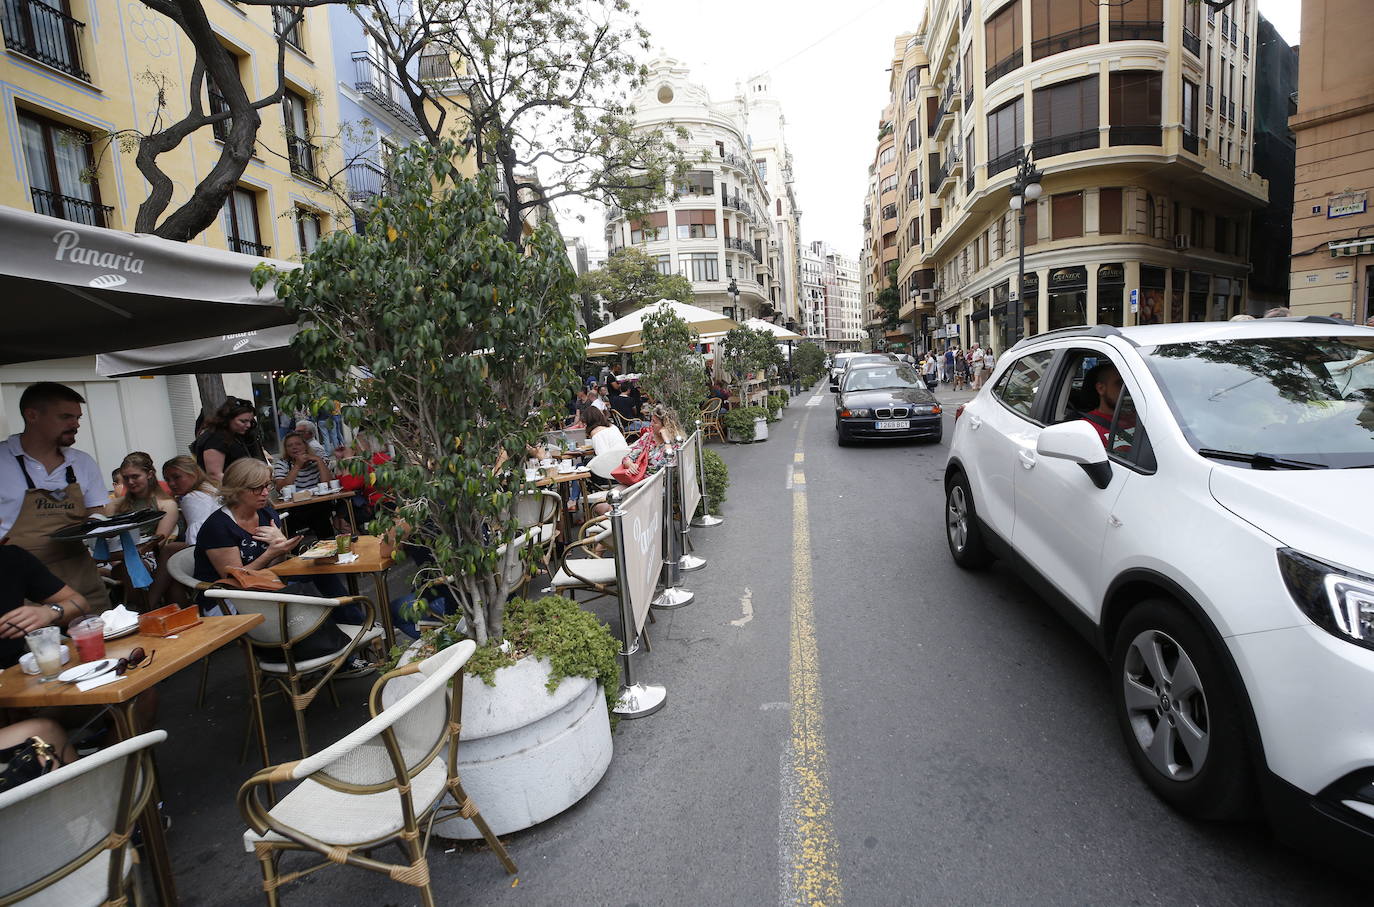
point(45, 643)
point(89, 636)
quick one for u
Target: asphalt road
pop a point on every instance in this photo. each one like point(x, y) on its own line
point(895, 731)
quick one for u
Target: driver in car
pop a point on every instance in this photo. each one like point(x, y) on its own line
point(1105, 379)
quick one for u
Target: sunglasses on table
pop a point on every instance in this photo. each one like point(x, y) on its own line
point(135, 659)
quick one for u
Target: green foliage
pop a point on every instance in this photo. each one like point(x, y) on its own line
point(808, 360)
point(774, 406)
point(449, 343)
point(671, 369)
point(739, 422)
point(782, 394)
point(746, 351)
point(630, 280)
point(717, 479)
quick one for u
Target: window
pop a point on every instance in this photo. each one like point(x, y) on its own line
point(1002, 42)
point(1066, 215)
point(59, 161)
point(1127, 442)
point(664, 264)
point(1221, 239)
point(307, 230)
point(913, 134)
point(46, 31)
point(1021, 382)
point(298, 148)
point(1109, 211)
point(699, 266)
point(913, 185)
point(1133, 102)
point(696, 224)
point(762, 168)
point(1066, 117)
point(699, 182)
point(968, 75)
point(1139, 20)
point(287, 24)
point(239, 217)
point(887, 156)
point(913, 232)
point(913, 83)
point(1192, 27)
point(1189, 116)
point(1060, 25)
point(1006, 132)
point(647, 228)
point(889, 184)
point(889, 212)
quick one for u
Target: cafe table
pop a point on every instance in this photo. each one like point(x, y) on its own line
point(565, 478)
point(173, 653)
point(374, 557)
point(345, 496)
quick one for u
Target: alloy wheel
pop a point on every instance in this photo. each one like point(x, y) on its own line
point(956, 518)
point(1166, 705)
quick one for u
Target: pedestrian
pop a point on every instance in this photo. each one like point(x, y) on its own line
point(929, 371)
point(947, 370)
point(989, 362)
point(960, 369)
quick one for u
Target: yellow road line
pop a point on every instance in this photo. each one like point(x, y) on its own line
point(798, 457)
point(814, 870)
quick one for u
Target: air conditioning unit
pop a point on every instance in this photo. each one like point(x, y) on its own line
point(1182, 241)
point(928, 296)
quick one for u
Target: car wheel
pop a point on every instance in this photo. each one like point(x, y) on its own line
point(1179, 713)
point(840, 437)
point(961, 525)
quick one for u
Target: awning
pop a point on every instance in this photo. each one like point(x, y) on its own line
point(267, 350)
point(67, 289)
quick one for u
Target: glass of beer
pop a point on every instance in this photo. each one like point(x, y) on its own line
point(46, 645)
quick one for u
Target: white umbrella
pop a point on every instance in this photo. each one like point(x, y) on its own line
point(601, 349)
point(624, 332)
point(781, 333)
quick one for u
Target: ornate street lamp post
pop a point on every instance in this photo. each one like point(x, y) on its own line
point(733, 290)
point(1025, 188)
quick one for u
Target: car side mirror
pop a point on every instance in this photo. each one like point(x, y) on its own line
point(1078, 442)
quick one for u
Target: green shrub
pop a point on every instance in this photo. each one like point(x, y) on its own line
point(739, 422)
point(717, 480)
point(784, 395)
point(774, 407)
point(808, 361)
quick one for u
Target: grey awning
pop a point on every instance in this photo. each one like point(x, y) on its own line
point(251, 351)
point(67, 289)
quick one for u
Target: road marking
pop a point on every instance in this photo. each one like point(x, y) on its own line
point(808, 852)
point(816, 400)
point(798, 477)
point(746, 602)
point(790, 471)
point(799, 457)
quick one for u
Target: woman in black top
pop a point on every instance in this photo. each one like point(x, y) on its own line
point(230, 435)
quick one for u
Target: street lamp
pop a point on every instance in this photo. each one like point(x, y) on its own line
point(1025, 188)
point(733, 290)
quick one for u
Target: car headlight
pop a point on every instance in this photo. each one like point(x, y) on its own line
point(858, 413)
point(932, 410)
point(1337, 600)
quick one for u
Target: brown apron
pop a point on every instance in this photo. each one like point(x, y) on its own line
point(40, 515)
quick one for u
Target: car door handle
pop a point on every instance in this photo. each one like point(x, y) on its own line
point(974, 422)
point(1027, 458)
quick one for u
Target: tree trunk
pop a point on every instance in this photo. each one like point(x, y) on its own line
point(212, 394)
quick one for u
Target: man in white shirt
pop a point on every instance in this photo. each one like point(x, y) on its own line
point(46, 485)
point(306, 430)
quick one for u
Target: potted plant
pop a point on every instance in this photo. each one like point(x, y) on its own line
point(746, 352)
point(717, 480)
point(744, 424)
point(670, 368)
point(455, 347)
point(774, 407)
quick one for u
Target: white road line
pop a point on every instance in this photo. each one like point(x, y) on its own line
point(816, 400)
point(790, 470)
point(746, 602)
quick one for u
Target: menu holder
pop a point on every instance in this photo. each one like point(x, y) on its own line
point(168, 620)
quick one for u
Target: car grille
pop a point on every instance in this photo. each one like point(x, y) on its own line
point(895, 412)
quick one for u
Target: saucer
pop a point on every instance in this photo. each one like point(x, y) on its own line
point(88, 671)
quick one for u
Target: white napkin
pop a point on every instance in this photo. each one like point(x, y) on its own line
point(348, 558)
point(119, 618)
point(108, 677)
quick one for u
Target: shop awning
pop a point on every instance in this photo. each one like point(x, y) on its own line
point(267, 350)
point(67, 289)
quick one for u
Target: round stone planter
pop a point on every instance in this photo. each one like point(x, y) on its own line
point(526, 754)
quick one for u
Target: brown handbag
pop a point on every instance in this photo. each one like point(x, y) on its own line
point(254, 580)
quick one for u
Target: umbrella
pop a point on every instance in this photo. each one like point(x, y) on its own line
point(72, 290)
point(623, 333)
point(267, 350)
point(779, 332)
point(601, 349)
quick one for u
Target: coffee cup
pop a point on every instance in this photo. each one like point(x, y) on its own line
point(322, 488)
point(531, 474)
point(335, 486)
point(287, 492)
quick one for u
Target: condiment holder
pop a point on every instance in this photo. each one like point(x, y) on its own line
point(168, 620)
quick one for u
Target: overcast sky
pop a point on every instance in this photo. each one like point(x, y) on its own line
point(828, 60)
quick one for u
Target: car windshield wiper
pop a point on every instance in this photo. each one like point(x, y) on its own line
point(1259, 460)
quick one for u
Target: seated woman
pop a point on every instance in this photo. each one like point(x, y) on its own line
point(143, 492)
point(14, 736)
point(197, 497)
point(663, 430)
point(303, 468)
point(603, 435)
point(246, 532)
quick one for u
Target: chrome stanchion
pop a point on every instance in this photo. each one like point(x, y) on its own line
point(686, 562)
point(636, 700)
point(706, 519)
point(673, 595)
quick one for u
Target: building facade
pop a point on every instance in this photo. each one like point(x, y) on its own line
point(844, 307)
point(812, 317)
point(717, 229)
point(1271, 227)
point(1333, 227)
point(1139, 119)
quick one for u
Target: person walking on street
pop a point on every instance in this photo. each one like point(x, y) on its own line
point(960, 369)
point(989, 360)
point(947, 372)
point(975, 364)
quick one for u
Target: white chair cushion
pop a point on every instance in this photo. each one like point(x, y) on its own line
point(335, 817)
point(85, 886)
point(595, 569)
point(310, 664)
point(598, 497)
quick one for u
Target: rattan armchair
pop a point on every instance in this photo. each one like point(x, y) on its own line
point(710, 420)
point(67, 833)
point(385, 783)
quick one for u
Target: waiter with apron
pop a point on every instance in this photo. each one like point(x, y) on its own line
point(46, 486)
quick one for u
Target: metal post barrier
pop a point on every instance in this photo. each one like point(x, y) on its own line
point(673, 595)
point(687, 561)
point(706, 519)
point(636, 700)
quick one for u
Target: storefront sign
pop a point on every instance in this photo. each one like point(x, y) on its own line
point(1075, 278)
point(1032, 284)
point(1135, 301)
point(1111, 275)
point(1346, 204)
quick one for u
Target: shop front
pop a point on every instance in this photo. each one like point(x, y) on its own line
point(1111, 289)
point(1068, 297)
point(1152, 294)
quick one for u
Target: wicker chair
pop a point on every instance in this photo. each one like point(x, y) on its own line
point(538, 511)
point(67, 833)
point(289, 620)
point(385, 783)
point(710, 420)
point(590, 574)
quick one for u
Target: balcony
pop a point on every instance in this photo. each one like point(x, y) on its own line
point(737, 245)
point(66, 207)
point(1192, 42)
point(953, 96)
point(1231, 111)
point(303, 157)
point(1221, 111)
point(1245, 44)
point(1068, 40)
point(374, 81)
point(220, 128)
point(367, 180)
point(1003, 162)
point(1007, 64)
point(1190, 142)
point(1136, 135)
point(247, 247)
point(48, 35)
point(436, 67)
point(1067, 143)
point(937, 177)
point(944, 120)
point(1135, 30)
point(286, 23)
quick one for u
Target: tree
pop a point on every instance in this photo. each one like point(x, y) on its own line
point(747, 351)
point(455, 347)
point(671, 369)
point(809, 362)
point(631, 280)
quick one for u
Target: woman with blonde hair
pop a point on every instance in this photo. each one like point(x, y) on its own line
point(663, 430)
point(142, 492)
point(197, 497)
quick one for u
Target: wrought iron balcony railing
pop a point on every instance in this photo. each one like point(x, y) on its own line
point(1003, 162)
point(1067, 40)
point(221, 128)
point(66, 207)
point(248, 247)
point(1010, 62)
point(367, 180)
point(374, 81)
point(1190, 141)
point(46, 34)
point(1067, 143)
point(1136, 30)
point(1192, 42)
point(1136, 135)
point(303, 157)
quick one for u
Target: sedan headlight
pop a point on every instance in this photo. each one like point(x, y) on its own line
point(856, 413)
point(930, 410)
point(1337, 600)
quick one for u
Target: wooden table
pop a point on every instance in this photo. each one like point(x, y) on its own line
point(346, 496)
point(374, 557)
point(26, 691)
point(564, 478)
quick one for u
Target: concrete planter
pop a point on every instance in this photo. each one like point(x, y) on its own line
point(760, 429)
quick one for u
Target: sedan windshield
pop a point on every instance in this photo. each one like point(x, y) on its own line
point(1308, 399)
point(876, 377)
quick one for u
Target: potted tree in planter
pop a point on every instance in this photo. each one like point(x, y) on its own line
point(671, 370)
point(454, 347)
point(747, 352)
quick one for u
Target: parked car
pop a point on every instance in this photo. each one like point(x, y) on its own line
point(857, 359)
point(837, 363)
point(1197, 500)
point(885, 400)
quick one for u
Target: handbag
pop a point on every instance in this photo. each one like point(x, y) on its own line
point(254, 580)
point(31, 759)
point(631, 475)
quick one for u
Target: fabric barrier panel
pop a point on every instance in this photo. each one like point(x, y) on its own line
point(642, 544)
point(687, 460)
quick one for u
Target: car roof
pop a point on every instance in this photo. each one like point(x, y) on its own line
point(1204, 331)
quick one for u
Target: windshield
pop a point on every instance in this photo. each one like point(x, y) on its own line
point(1301, 398)
point(874, 378)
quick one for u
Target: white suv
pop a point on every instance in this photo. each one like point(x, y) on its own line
point(1198, 500)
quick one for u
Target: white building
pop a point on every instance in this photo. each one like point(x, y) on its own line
point(844, 314)
point(812, 317)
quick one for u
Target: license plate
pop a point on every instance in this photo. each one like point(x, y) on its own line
point(899, 424)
